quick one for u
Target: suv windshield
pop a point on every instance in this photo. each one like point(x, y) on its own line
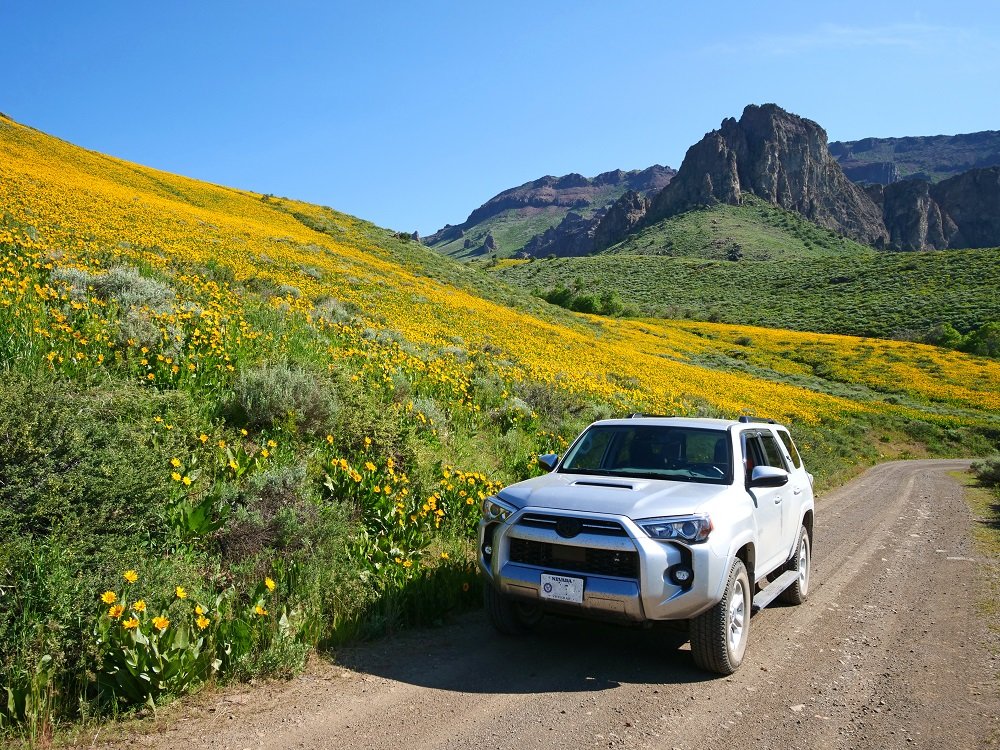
point(684, 454)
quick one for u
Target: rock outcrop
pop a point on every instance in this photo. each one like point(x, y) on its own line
point(574, 235)
point(781, 158)
point(912, 217)
point(972, 201)
point(624, 215)
point(962, 211)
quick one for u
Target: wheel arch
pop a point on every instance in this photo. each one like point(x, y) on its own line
point(807, 522)
point(748, 554)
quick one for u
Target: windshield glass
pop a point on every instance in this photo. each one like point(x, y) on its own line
point(684, 454)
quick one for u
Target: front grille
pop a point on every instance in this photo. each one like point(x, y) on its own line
point(587, 525)
point(604, 562)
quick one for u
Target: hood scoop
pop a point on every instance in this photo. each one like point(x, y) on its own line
point(611, 485)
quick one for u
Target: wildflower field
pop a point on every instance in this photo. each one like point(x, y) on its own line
point(238, 428)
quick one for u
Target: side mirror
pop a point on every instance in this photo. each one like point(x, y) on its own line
point(768, 476)
point(548, 461)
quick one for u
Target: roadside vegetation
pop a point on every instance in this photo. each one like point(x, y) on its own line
point(984, 499)
point(239, 428)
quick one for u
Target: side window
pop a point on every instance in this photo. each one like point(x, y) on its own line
point(772, 451)
point(790, 447)
point(753, 453)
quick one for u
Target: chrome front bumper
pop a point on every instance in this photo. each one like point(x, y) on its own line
point(650, 594)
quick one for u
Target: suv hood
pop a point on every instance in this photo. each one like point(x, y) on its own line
point(635, 498)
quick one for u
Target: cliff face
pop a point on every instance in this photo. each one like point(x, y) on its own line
point(912, 217)
point(972, 201)
point(962, 211)
point(781, 158)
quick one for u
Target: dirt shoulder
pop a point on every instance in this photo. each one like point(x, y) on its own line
point(890, 650)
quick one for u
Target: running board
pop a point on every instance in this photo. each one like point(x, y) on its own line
point(770, 592)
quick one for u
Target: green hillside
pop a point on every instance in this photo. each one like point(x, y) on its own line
point(757, 264)
point(511, 229)
point(756, 230)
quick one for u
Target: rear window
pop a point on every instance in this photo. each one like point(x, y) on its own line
point(786, 439)
point(652, 451)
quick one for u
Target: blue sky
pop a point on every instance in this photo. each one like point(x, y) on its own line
point(411, 114)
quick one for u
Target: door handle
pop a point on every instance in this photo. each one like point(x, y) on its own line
point(797, 491)
point(777, 500)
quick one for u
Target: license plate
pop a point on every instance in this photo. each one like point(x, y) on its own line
point(561, 588)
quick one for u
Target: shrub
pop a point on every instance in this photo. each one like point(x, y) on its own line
point(84, 465)
point(987, 471)
point(129, 288)
point(270, 396)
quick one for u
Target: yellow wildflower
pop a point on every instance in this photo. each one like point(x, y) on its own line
point(203, 437)
point(130, 623)
point(175, 462)
point(260, 610)
point(115, 611)
point(180, 593)
point(160, 623)
point(139, 606)
point(270, 584)
point(131, 576)
point(187, 481)
point(109, 597)
point(202, 622)
point(175, 476)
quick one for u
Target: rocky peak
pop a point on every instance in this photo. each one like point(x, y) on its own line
point(780, 157)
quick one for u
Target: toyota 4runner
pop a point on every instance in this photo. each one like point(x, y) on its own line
point(652, 519)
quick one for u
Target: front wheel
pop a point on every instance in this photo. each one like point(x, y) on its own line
point(802, 564)
point(509, 616)
point(719, 636)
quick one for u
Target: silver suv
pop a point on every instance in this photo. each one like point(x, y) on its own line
point(651, 519)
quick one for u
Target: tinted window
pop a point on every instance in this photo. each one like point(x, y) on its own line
point(589, 452)
point(790, 447)
point(772, 451)
point(657, 452)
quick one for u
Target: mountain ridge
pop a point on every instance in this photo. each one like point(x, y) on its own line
point(786, 160)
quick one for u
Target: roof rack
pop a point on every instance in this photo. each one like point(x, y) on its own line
point(746, 418)
point(640, 415)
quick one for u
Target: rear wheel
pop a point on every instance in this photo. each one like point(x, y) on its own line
point(719, 636)
point(510, 616)
point(802, 564)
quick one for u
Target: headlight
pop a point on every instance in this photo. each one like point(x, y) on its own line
point(495, 509)
point(690, 529)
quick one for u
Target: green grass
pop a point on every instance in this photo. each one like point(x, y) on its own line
point(761, 265)
point(755, 230)
point(511, 229)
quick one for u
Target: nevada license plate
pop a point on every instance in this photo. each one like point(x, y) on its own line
point(561, 588)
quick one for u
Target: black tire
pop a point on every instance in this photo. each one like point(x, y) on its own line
point(510, 616)
point(801, 562)
point(715, 643)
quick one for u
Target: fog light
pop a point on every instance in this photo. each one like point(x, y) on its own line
point(487, 550)
point(681, 576)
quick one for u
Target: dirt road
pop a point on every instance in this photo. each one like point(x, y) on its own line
point(887, 653)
